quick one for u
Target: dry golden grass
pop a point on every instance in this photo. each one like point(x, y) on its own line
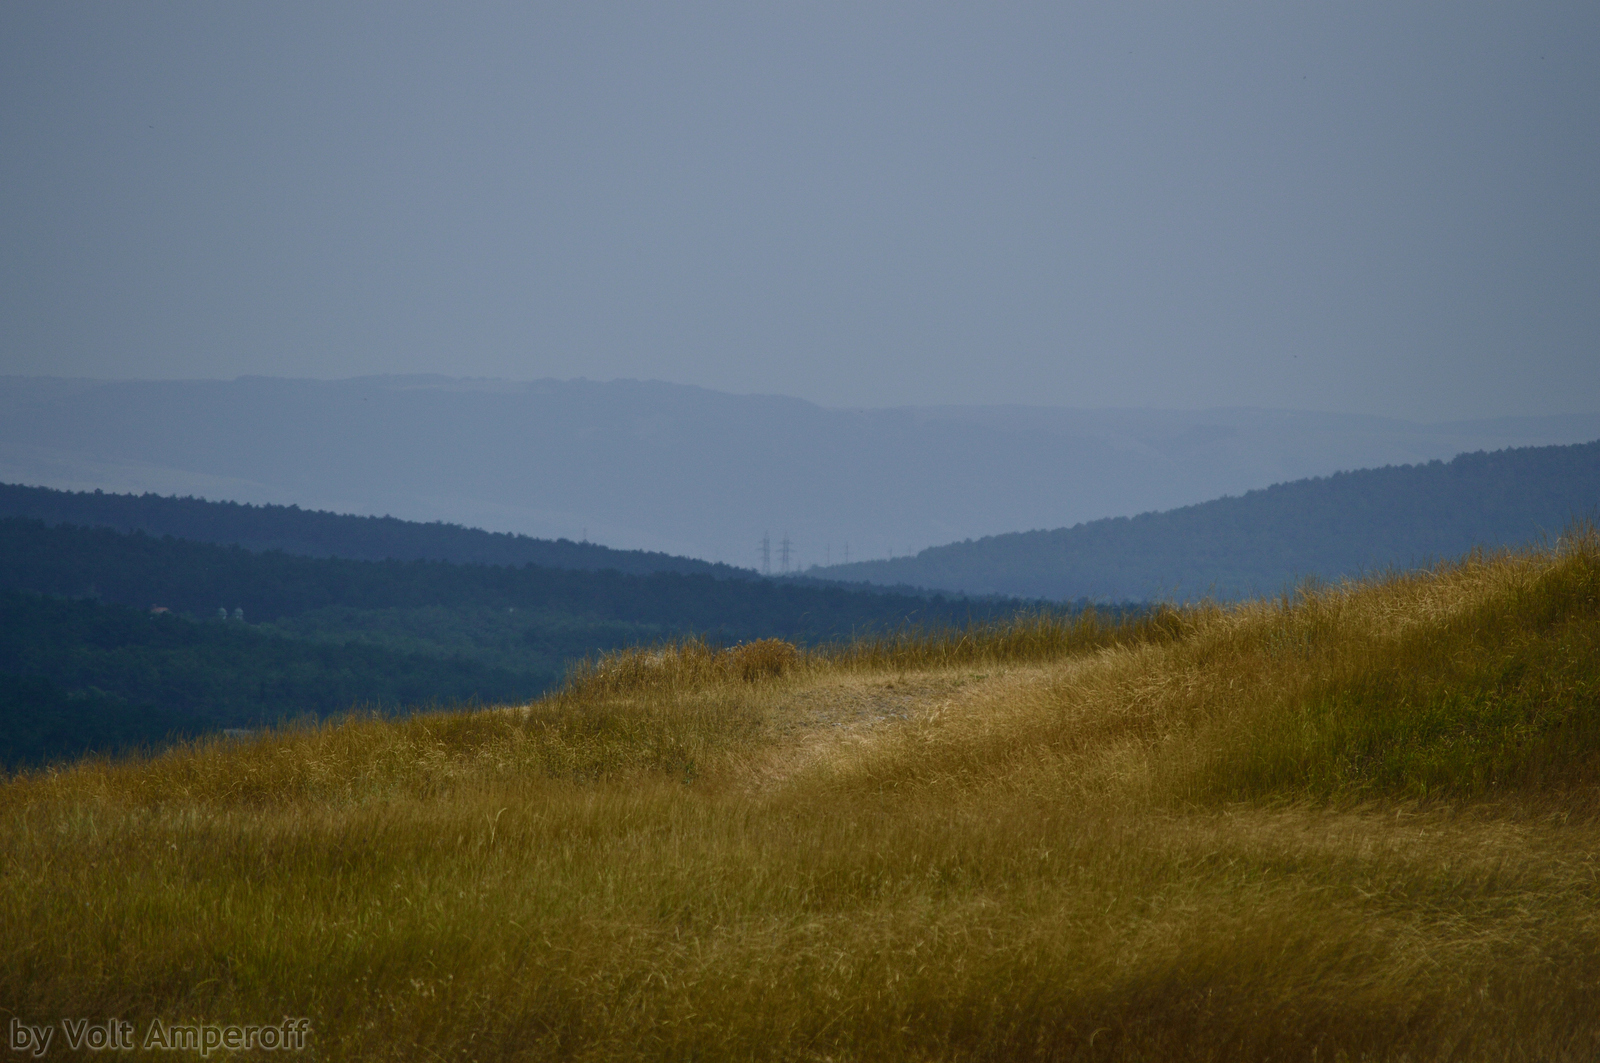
point(1357, 823)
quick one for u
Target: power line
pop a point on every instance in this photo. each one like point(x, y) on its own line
point(766, 554)
point(783, 551)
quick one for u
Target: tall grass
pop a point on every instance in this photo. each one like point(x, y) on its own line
point(1353, 822)
point(1029, 638)
point(1497, 691)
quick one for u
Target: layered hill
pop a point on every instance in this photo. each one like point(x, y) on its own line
point(1326, 527)
point(194, 578)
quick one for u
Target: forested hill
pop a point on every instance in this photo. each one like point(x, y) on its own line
point(199, 578)
point(113, 639)
point(316, 533)
point(1328, 527)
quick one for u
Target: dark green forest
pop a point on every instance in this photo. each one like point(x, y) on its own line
point(80, 675)
point(41, 722)
point(1330, 527)
point(317, 533)
point(199, 578)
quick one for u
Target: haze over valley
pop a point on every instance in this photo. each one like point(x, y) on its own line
point(685, 470)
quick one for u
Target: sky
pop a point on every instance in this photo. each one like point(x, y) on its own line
point(1379, 208)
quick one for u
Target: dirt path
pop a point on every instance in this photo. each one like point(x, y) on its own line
point(816, 721)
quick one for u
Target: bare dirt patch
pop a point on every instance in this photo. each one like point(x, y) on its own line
point(823, 718)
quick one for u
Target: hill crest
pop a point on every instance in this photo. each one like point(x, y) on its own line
point(320, 533)
point(1330, 527)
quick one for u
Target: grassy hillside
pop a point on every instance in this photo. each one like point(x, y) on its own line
point(317, 533)
point(1356, 823)
point(1330, 527)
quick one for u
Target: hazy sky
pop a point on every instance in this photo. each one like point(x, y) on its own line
point(1385, 208)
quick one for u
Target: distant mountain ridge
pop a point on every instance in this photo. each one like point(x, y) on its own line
point(683, 470)
point(318, 533)
point(1327, 527)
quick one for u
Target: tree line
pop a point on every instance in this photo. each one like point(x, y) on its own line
point(317, 533)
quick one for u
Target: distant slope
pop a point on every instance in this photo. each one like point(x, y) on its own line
point(199, 578)
point(1329, 527)
point(317, 533)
